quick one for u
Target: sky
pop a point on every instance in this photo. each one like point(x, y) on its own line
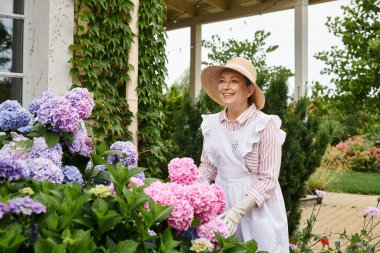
point(279, 24)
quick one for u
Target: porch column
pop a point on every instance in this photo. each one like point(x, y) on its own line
point(301, 37)
point(195, 60)
point(131, 94)
point(49, 30)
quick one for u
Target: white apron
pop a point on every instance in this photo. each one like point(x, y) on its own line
point(225, 149)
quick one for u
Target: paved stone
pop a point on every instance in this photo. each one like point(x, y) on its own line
point(341, 211)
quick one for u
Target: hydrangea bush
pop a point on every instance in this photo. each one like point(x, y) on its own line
point(59, 193)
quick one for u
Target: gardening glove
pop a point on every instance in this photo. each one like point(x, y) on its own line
point(233, 216)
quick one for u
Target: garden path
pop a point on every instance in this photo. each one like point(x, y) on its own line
point(341, 211)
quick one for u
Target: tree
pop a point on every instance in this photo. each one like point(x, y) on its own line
point(5, 44)
point(356, 66)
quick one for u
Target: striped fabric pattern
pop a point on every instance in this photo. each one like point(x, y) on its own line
point(264, 159)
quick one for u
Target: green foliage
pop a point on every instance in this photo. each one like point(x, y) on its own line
point(101, 46)
point(5, 44)
point(151, 84)
point(355, 67)
point(302, 152)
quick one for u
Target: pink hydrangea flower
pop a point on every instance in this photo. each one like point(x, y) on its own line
point(112, 189)
point(172, 194)
point(215, 225)
point(183, 171)
point(372, 211)
point(137, 181)
point(207, 200)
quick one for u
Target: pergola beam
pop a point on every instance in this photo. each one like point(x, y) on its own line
point(268, 6)
point(181, 6)
point(220, 4)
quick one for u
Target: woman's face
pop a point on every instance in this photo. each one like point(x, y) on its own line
point(233, 89)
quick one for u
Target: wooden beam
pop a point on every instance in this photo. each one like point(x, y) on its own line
point(181, 6)
point(265, 7)
point(220, 4)
point(238, 12)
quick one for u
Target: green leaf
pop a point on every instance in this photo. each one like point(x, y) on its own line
point(51, 138)
point(68, 137)
point(11, 238)
point(166, 241)
point(127, 246)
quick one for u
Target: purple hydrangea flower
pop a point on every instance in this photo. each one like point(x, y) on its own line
point(13, 169)
point(81, 100)
point(25, 205)
point(44, 169)
point(59, 113)
point(10, 105)
point(140, 175)
point(82, 144)
point(129, 149)
point(41, 150)
point(36, 103)
point(72, 173)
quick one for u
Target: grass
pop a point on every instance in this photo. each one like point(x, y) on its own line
point(355, 182)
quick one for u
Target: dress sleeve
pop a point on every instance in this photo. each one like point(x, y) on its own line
point(269, 164)
point(207, 171)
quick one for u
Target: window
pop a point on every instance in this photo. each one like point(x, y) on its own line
point(11, 49)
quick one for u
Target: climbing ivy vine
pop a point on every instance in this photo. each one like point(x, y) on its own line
point(102, 42)
point(152, 72)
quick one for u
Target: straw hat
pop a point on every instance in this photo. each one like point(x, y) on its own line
point(210, 79)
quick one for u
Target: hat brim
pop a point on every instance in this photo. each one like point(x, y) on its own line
point(210, 77)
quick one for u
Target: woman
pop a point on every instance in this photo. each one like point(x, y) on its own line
point(242, 154)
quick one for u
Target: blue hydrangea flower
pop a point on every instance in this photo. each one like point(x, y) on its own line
point(10, 105)
point(13, 169)
point(42, 169)
point(25, 205)
point(81, 100)
point(130, 151)
point(14, 119)
point(191, 233)
point(72, 173)
point(6, 120)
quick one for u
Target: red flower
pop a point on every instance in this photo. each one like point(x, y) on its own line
point(324, 241)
